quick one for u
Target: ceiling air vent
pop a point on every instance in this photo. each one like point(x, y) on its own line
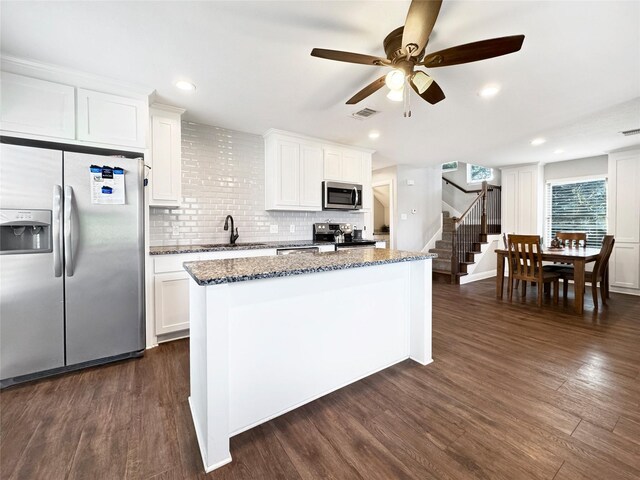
point(627, 133)
point(364, 113)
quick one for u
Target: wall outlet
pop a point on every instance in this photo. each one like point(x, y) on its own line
point(175, 230)
point(403, 216)
point(273, 228)
point(292, 229)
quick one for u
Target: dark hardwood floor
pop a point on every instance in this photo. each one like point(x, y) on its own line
point(515, 392)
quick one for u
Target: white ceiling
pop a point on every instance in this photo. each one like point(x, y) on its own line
point(576, 80)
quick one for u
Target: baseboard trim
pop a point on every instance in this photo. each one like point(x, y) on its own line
point(474, 277)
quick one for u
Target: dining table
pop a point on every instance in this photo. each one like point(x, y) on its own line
point(576, 256)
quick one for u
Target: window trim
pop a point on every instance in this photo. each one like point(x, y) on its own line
point(474, 182)
point(444, 170)
point(565, 181)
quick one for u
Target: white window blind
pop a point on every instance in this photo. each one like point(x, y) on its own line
point(577, 206)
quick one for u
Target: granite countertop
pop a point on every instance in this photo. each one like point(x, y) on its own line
point(213, 272)
point(221, 247)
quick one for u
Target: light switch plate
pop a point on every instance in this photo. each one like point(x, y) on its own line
point(403, 216)
point(273, 228)
point(175, 230)
point(292, 229)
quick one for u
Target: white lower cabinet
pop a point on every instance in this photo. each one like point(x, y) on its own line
point(171, 286)
point(172, 302)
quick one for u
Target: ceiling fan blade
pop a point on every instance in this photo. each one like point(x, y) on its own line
point(366, 91)
point(421, 18)
point(472, 52)
point(348, 57)
point(426, 87)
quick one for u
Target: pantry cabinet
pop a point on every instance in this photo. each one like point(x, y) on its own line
point(522, 189)
point(624, 220)
point(165, 159)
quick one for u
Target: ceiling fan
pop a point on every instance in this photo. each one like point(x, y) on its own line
point(405, 50)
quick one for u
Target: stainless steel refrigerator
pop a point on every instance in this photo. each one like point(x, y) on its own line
point(71, 270)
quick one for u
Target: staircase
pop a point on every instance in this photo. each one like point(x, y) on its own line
point(462, 238)
point(444, 248)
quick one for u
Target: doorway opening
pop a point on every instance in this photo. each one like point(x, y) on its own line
point(383, 213)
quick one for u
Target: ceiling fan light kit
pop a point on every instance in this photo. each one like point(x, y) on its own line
point(405, 50)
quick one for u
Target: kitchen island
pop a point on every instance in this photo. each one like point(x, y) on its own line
point(269, 334)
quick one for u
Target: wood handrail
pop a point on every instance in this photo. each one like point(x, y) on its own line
point(491, 187)
point(479, 198)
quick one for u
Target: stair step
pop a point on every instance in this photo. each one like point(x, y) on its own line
point(445, 214)
point(442, 253)
point(447, 237)
point(440, 264)
point(444, 245)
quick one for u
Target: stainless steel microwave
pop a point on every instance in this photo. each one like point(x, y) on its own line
point(341, 196)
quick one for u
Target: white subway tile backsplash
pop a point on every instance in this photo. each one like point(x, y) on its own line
point(223, 174)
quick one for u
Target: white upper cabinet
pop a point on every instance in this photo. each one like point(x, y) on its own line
point(111, 119)
point(311, 176)
point(293, 173)
point(296, 166)
point(165, 178)
point(38, 107)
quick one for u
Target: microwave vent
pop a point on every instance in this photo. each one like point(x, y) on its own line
point(628, 133)
point(364, 113)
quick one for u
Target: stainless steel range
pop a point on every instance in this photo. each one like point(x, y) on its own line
point(342, 234)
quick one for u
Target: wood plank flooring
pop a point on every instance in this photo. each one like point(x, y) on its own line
point(515, 392)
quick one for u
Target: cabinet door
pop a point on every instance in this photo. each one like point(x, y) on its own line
point(332, 164)
point(367, 190)
point(171, 302)
point(111, 119)
point(288, 173)
point(311, 168)
point(30, 105)
point(624, 176)
point(166, 168)
point(625, 265)
point(527, 210)
point(352, 166)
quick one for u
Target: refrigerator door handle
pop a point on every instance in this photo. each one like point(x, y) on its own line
point(56, 232)
point(68, 245)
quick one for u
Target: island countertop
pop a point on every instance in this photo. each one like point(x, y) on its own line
point(214, 272)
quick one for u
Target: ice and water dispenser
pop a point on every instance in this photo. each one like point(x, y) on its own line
point(25, 231)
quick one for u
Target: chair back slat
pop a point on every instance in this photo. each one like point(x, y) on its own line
point(572, 239)
point(525, 257)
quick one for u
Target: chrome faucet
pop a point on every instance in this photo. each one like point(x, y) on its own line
point(234, 236)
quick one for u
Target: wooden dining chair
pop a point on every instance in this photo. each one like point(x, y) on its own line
point(598, 275)
point(525, 262)
point(572, 239)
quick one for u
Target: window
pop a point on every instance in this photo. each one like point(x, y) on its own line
point(577, 206)
point(450, 167)
point(477, 174)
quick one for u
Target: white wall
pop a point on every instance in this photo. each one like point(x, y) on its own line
point(425, 196)
point(581, 167)
point(223, 173)
point(460, 200)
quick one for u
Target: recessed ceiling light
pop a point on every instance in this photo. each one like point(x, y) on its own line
point(538, 141)
point(184, 85)
point(373, 135)
point(558, 151)
point(489, 91)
